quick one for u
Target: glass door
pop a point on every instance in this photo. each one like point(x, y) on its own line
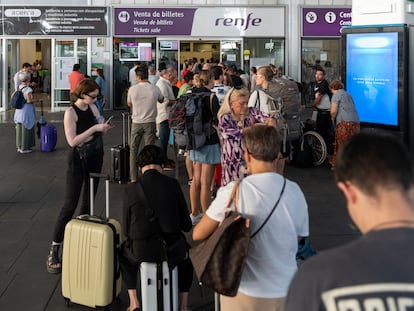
point(128, 52)
point(66, 54)
point(168, 53)
point(13, 47)
point(231, 53)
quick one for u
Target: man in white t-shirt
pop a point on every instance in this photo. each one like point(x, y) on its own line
point(219, 88)
point(131, 75)
point(142, 98)
point(271, 259)
point(26, 67)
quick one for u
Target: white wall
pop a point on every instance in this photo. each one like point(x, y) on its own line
point(27, 52)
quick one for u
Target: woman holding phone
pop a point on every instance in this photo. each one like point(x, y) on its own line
point(83, 130)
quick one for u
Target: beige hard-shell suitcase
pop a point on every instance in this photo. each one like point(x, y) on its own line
point(90, 266)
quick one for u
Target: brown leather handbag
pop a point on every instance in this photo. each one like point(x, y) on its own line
point(219, 260)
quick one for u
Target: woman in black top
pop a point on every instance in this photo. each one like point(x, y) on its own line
point(83, 127)
point(155, 210)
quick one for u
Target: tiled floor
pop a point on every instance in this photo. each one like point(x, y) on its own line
point(31, 192)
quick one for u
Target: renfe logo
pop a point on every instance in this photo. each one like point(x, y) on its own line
point(240, 21)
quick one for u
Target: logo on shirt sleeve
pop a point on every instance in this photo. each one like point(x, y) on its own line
point(370, 297)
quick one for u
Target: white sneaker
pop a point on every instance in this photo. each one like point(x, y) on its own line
point(26, 151)
point(195, 219)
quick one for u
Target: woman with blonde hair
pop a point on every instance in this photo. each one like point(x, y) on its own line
point(197, 83)
point(234, 116)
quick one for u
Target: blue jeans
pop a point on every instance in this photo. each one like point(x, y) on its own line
point(164, 136)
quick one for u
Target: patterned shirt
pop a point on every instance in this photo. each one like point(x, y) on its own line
point(231, 142)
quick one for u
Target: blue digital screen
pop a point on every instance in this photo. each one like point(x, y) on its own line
point(372, 76)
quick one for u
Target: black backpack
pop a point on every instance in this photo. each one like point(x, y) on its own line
point(288, 91)
point(17, 99)
point(186, 120)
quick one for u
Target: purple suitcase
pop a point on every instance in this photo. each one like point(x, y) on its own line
point(48, 137)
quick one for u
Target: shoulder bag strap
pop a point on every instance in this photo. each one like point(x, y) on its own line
point(149, 211)
point(211, 102)
point(274, 208)
point(234, 196)
point(211, 108)
point(257, 103)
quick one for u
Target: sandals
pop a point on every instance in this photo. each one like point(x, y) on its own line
point(53, 264)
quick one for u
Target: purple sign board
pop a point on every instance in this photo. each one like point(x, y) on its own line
point(208, 21)
point(153, 21)
point(324, 22)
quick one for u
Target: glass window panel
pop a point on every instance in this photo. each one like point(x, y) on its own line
point(317, 52)
point(264, 51)
point(122, 65)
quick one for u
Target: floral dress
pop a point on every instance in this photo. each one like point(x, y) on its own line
point(230, 132)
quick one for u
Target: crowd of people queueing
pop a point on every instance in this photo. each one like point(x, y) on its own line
point(244, 147)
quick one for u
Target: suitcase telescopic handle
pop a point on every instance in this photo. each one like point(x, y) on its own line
point(125, 128)
point(103, 176)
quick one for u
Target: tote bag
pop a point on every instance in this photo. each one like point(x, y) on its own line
point(219, 260)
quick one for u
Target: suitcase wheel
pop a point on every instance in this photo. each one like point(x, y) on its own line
point(67, 302)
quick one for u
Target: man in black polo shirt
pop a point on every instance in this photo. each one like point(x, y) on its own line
point(322, 103)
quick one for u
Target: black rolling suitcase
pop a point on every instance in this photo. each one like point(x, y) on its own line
point(120, 154)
